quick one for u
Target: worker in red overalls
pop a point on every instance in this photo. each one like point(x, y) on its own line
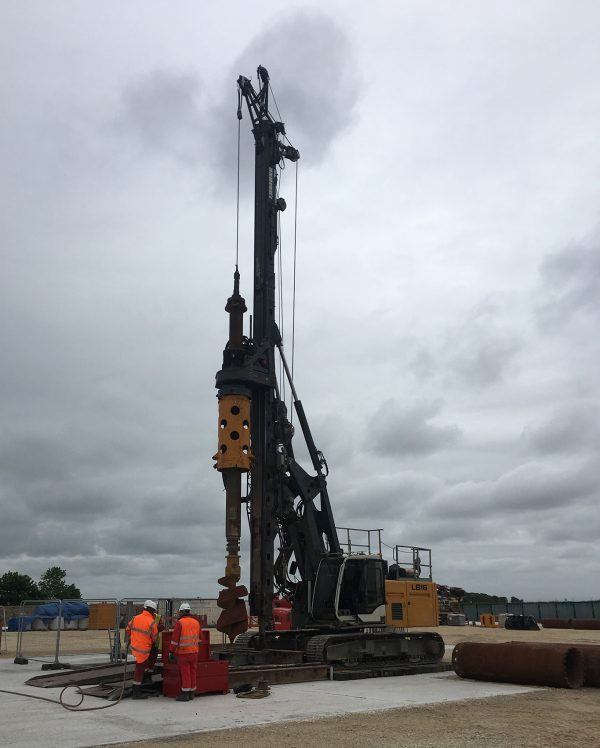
point(141, 633)
point(185, 645)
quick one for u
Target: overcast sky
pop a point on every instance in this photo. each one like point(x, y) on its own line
point(447, 312)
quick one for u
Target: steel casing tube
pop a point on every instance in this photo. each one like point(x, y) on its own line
point(586, 624)
point(591, 659)
point(557, 623)
point(591, 664)
point(557, 665)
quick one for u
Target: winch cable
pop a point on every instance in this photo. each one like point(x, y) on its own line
point(237, 223)
point(294, 287)
point(280, 284)
point(295, 257)
point(75, 707)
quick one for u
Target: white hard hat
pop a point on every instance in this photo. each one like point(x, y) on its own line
point(184, 606)
point(151, 604)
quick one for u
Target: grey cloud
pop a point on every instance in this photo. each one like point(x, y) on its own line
point(423, 364)
point(387, 496)
point(162, 109)
point(530, 489)
point(57, 537)
point(32, 457)
point(580, 526)
point(568, 431)
point(570, 286)
point(311, 58)
point(156, 540)
point(538, 487)
point(396, 430)
point(64, 480)
point(481, 350)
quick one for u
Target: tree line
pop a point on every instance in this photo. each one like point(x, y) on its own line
point(15, 587)
point(482, 597)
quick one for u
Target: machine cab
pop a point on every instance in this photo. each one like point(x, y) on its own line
point(350, 589)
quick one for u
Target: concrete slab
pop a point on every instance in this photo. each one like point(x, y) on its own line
point(27, 722)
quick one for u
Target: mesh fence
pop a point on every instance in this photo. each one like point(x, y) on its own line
point(58, 626)
point(540, 610)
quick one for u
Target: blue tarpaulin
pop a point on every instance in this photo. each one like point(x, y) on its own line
point(48, 612)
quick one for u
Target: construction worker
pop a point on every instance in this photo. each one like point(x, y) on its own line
point(141, 633)
point(185, 645)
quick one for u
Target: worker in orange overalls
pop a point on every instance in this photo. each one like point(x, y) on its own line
point(142, 633)
point(185, 645)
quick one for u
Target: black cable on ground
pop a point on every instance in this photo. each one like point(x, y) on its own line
point(74, 707)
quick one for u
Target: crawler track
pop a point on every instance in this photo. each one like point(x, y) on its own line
point(424, 648)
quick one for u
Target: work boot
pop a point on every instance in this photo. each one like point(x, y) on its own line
point(138, 693)
point(183, 696)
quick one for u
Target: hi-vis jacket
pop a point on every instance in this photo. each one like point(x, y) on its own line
point(186, 636)
point(142, 632)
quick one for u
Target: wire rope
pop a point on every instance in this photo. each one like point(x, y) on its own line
point(280, 280)
point(294, 286)
point(294, 260)
point(237, 222)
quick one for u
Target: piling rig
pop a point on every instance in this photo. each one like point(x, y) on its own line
point(342, 606)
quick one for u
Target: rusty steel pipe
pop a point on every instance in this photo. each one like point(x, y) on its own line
point(557, 623)
point(586, 624)
point(591, 659)
point(557, 665)
point(591, 664)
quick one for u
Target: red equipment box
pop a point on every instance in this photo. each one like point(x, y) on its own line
point(212, 675)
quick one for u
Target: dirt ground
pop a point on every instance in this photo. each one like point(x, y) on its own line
point(553, 717)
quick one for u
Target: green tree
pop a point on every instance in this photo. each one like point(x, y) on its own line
point(53, 585)
point(482, 597)
point(15, 587)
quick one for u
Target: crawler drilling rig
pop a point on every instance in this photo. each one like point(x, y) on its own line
point(343, 607)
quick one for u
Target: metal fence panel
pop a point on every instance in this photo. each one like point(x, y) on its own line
point(565, 609)
point(584, 610)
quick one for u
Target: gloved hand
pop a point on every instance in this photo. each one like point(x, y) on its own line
point(172, 658)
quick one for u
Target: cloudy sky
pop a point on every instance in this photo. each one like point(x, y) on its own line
point(448, 280)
